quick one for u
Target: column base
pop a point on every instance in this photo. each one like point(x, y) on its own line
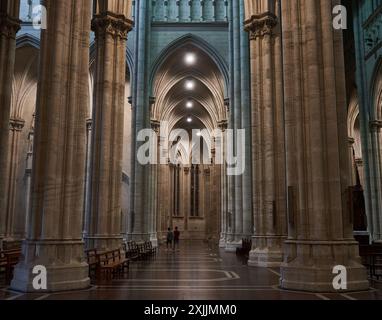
point(222, 241)
point(309, 266)
point(154, 240)
point(138, 237)
point(63, 260)
point(231, 246)
point(11, 243)
point(267, 251)
point(103, 243)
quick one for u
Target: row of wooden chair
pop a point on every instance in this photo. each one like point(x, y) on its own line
point(107, 265)
point(139, 251)
point(8, 260)
point(371, 256)
point(114, 264)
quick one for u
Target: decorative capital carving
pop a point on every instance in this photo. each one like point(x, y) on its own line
point(223, 125)
point(89, 124)
point(375, 125)
point(261, 25)
point(118, 26)
point(359, 162)
point(155, 125)
point(152, 100)
point(9, 26)
point(351, 141)
point(16, 124)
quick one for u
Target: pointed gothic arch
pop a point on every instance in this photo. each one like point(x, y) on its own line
point(191, 39)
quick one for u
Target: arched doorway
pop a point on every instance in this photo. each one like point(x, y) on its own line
point(189, 108)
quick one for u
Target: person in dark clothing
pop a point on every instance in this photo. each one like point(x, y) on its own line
point(170, 237)
point(176, 238)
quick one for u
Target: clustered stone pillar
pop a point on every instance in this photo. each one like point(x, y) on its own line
point(111, 26)
point(320, 228)
point(268, 151)
point(9, 25)
point(54, 238)
point(138, 222)
point(240, 222)
point(375, 219)
point(16, 127)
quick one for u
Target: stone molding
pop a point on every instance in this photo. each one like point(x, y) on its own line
point(16, 124)
point(118, 26)
point(9, 26)
point(261, 25)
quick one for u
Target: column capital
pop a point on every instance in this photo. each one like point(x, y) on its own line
point(9, 26)
point(118, 26)
point(375, 125)
point(223, 125)
point(155, 125)
point(89, 124)
point(16, 125)
point(351, 141)
point(359, 162)
point(261, 25)
point(152, 100)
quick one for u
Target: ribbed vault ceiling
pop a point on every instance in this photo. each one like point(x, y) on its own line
point(172, 95)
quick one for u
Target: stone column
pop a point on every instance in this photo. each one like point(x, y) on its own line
point(9, 25)
point(153, 185)
point(320, 234)
point(138, 223)
point(54, 237)
point(375, 218)
point(111, 26)
point(240, 185)
point(220, 143)
point(86, 219)
point(352, 167)
point(28, 176)
point(360, 168)
point(268, 151)
point(16, 127)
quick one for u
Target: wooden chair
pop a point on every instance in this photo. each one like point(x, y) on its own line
point(111, 265)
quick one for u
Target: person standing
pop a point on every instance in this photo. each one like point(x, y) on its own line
point(176, 238)
point(170, 237)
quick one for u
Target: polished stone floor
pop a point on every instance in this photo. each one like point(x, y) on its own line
point(195, 272)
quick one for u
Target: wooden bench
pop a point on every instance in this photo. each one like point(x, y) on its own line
point(8, 260)
point(111, 264)
point(92, 260)
point(140, 251)
point(3, 264)
point(132, 251)
point(371, 256)
point(150, 249)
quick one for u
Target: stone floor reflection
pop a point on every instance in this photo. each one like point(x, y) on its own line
point(196, 272)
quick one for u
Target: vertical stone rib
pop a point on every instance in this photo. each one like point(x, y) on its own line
point(9, 25)
point(54, 235)
point(111, 26)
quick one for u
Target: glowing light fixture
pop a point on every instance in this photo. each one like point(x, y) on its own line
point(189, 119)
point(190, 85)
point(189, 104)
point(190, 59)
point(199, 134)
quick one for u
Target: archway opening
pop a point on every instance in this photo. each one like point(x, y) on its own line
point(189, 89)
